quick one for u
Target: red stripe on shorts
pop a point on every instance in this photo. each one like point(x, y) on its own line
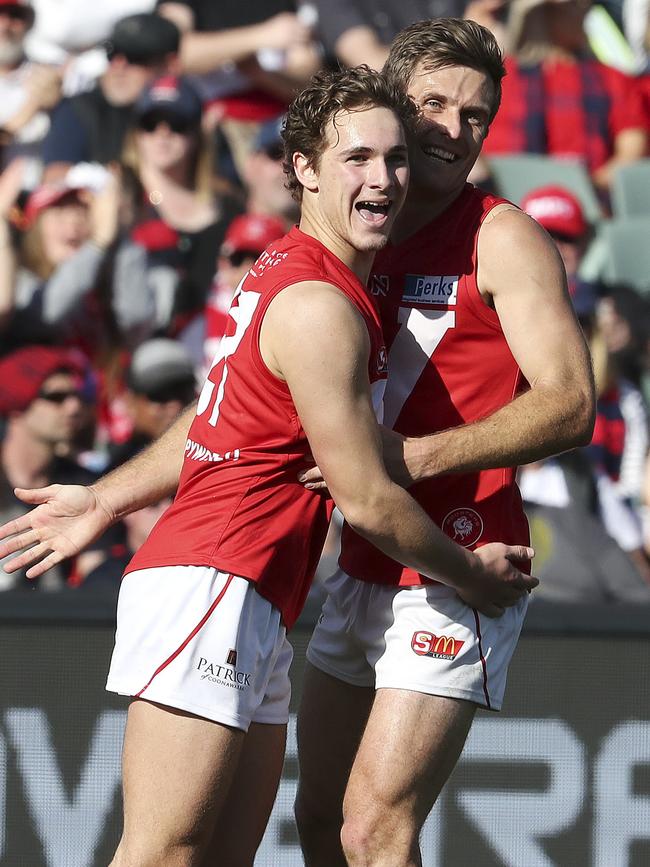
point(483, 662)
point(182, 646)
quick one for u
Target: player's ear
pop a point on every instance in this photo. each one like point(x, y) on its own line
point(305, 172)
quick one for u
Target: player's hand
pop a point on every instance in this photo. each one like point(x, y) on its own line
point(501, 585)
point(65, 520)
point(312, 479)
point(393, 446)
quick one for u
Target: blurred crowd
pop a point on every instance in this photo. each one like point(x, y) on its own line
point(141, 176)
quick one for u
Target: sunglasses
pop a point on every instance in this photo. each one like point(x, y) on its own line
point(131, 57)
point(60, 396)
point(16, 13)
point(151, 122)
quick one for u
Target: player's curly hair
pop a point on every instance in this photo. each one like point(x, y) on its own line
point(445, 42)
point(329, 92)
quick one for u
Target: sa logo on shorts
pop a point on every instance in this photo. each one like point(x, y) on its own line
point(464, 526)
point(437, 646)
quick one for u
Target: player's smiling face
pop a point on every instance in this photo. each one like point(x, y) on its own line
point(361, 179)
point(454, 109)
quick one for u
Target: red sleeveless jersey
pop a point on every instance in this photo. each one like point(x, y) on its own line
point(239, 505)
point(448, 365)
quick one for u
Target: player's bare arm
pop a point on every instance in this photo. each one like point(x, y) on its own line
point(67, 518)
point(522, 276)
point(324, 341)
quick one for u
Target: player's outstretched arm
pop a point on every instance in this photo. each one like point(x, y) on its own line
point(67, 518)
point(521, 270)
point(315, 340)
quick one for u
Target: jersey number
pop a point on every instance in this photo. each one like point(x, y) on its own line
point(419, 335)
point(242, 312)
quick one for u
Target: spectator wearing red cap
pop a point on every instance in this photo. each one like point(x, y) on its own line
point(90, 127)
point(621, 429)
point(44, 392)
point(71, 229)
point(177, 218)
point(560, 213)
point(248, 235)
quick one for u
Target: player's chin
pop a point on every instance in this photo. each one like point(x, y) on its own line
point(373, 239)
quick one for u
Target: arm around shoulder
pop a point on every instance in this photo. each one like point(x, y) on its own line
point(522, 276)
point(314, 339)
point(523, 272)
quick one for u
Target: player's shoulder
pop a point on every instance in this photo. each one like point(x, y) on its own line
point(511, 247)
point(314, 303)
point(507, 226)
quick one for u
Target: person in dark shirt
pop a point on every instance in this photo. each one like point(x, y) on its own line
point(90, 127)
point(248, 58)
point(360, 31)
point(177, 218)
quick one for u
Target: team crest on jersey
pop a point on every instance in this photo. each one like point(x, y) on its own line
point(464, 526)
point(438, 646)
point(427, 289)
point(382, 361)
point(379, 284)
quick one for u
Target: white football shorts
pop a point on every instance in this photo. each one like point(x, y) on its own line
point(424, 639)
point(203, 641)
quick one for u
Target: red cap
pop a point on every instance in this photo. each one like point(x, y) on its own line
point(252, 233)
point(44, 197)
point(23, 372)
point(557, 210)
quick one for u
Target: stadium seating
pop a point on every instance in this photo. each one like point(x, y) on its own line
point(516, 174)
point(631, 190)
point(627, 261)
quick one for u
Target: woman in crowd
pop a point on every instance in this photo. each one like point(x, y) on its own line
point(176, 215)
point(65, 282)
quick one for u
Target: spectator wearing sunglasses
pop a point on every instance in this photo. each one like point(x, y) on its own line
point(44, 392)
point(264, 176)
point(90, 127)
point(247, 236)
point(177, 218)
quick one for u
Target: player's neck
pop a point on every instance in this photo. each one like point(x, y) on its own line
point(421, 207)
point(358, 261)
